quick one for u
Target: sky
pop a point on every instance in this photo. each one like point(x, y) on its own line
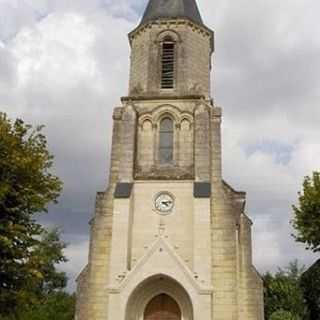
point(65, 64)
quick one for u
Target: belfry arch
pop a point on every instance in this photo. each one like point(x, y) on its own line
point(156, 288)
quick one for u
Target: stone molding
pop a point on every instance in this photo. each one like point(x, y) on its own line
point(170, 24)
point(162, 244)
point(152, 287)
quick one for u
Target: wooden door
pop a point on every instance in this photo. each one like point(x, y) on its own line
point(162, 307)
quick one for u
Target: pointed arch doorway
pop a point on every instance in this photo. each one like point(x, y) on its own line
point(162, 307)
point(159, 298)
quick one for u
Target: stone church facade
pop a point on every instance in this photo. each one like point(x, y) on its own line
point(170, 239)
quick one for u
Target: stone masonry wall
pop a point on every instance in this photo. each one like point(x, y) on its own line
point(93, 305)
point(238, 289)
point(202, 143)
point(251, 284)
point(223, 245)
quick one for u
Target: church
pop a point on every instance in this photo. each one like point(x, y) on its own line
point(170, 239)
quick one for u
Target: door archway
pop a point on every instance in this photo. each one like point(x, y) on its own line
point(145, 301)
point(162, 307)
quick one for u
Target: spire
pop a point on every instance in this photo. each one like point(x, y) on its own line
point(170, 9)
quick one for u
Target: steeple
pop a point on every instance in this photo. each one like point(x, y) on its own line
point(171, 9)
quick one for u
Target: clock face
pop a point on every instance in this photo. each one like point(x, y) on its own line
point(164, 202)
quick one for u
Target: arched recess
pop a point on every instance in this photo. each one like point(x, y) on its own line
point(166, 109)
point(168, 33)
point(153, 287)
point(145, 140)
point(186, 143)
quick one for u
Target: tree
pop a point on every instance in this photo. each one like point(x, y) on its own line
point(43, 298)
point(58, 305)
point(307, 214)
point(26, 188)
point(283, 294)
point(45, 255)
point(310, 284)
point(282, 315)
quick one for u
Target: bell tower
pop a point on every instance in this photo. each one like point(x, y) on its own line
point(171, 51)
point(170, 239)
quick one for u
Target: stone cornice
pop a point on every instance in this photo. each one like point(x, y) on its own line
point(172, 22)
point(162, 97)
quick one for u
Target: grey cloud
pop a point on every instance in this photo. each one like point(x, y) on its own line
point(15, 15)
point(270, 50)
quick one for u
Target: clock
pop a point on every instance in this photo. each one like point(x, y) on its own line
point(164, 202)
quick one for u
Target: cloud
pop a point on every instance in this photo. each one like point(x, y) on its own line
point(65, 64)
point(270, 47)
point(14, 14)
point(78, 253)
point(7, 68)
point(61, 72)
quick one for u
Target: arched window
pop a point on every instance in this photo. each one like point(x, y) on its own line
point(168, 63)
point(166, 141)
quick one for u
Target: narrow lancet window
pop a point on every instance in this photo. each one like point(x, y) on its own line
point(166, 141)
point(168, 64)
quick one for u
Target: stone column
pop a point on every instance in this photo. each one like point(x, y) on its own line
point(101, 235)
point(128, 144)
point(223, 241)
point(216, 150)
point(115, 147)
point(202, 143)
point(251, 285)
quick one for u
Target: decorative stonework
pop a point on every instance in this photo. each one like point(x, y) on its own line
point(147, 160)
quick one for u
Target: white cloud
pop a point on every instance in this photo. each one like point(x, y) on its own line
point(56, 52)
point(272, 186)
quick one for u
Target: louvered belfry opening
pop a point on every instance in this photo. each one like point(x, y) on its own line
point(168, 64)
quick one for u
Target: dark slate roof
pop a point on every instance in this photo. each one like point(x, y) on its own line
point(162, 9)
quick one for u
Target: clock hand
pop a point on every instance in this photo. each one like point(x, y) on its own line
point(167, 203)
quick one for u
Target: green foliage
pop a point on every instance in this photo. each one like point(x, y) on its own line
point(28, 252)
point(282, 293)
point(45, 255)
point(58, 305)
point(42, 285)
point(307, 214)
point(310, 284)
point(282, 315)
